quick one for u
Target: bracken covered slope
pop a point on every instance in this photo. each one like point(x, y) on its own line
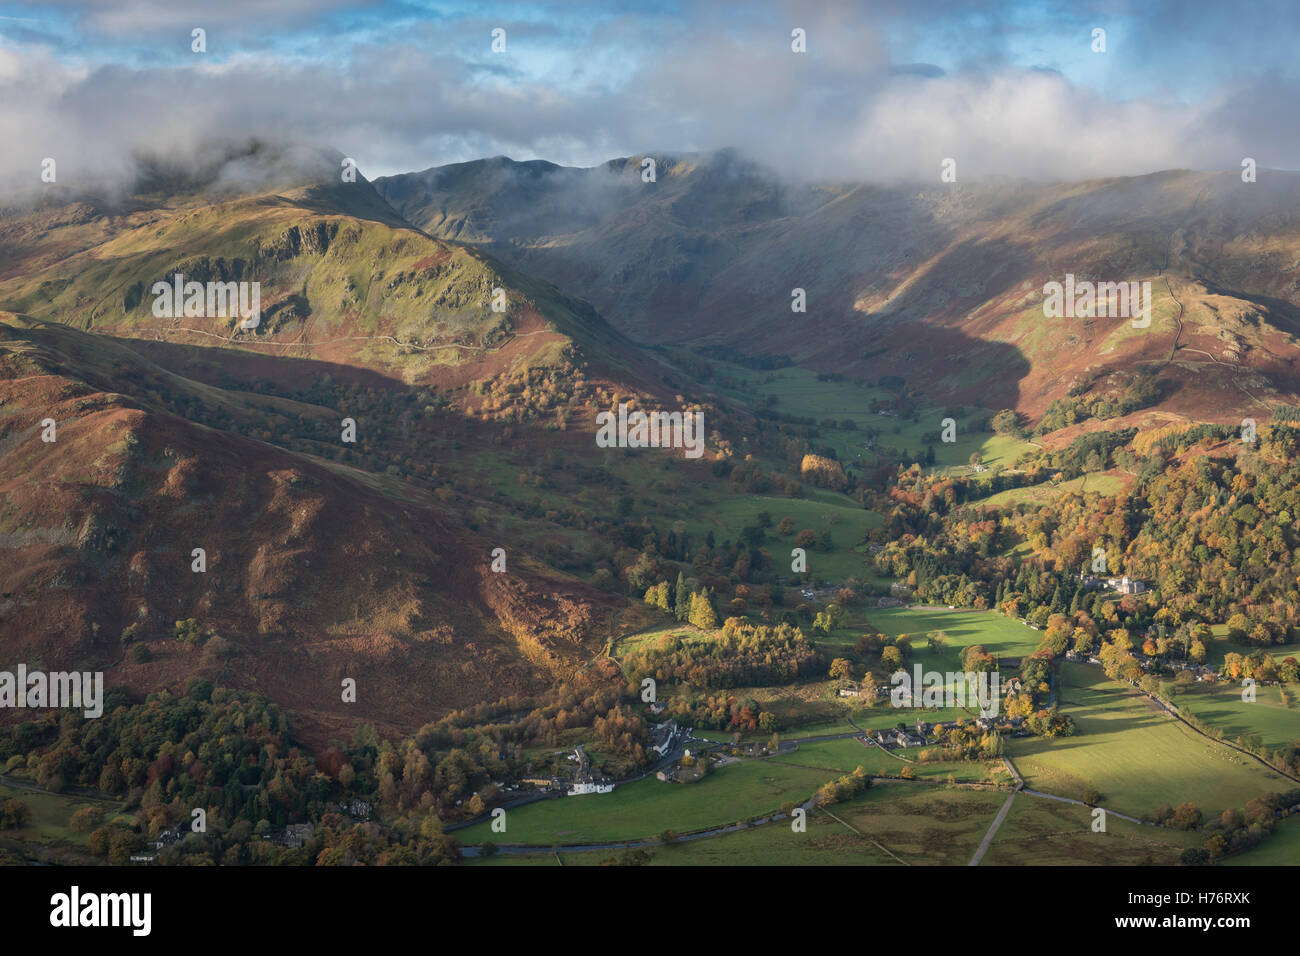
point(315, 572)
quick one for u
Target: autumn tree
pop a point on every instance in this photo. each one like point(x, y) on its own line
point(702, 614)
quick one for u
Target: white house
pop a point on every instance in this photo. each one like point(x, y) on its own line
point(578, 789)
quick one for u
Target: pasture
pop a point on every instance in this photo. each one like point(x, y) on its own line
point(648, 807)
point(1135, 755)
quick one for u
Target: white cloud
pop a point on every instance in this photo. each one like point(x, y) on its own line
point(840, 111)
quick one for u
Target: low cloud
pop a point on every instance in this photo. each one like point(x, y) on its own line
point(844, 110)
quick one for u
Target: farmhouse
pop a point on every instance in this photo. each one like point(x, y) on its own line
point(894, 737)
point(665, 735)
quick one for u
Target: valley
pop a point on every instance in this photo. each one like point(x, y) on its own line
point(433, 600)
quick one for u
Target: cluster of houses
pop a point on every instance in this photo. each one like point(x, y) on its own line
point(591, 781)
point(890, 737)
point(585, 779)
point(1007, 726)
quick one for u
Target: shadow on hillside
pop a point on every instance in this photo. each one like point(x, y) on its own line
point(232, 368)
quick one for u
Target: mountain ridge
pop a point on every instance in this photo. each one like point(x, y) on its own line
point(926, 278)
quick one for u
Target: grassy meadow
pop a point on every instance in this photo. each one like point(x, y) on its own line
point(1135, 755)
point(648, 807)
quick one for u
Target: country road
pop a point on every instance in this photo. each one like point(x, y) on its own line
point(1080, 803)
point(993, 829)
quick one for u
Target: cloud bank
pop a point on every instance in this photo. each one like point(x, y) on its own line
point(856, 106)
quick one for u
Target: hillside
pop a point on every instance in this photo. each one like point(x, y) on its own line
point(326, 559)
point(342, 277)
point(944, 281)
point(316, 571)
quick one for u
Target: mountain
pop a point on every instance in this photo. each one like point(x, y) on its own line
point(315, 571)
point(325, 559)
point(341, 276)
point(943, 284)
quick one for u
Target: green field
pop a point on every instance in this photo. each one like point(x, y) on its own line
point(798, 392)
point(818, 701)
point(648, 638)
point(818, 511)
point(649, 807)
point(1049, 491)
point(921, 825)
point(50, 814)
point(1275, 723)
point(1282, 848)
point(1135, 755)
point(844, 756)
point(999, 634)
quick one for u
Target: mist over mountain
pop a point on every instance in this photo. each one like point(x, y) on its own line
point(940, 279)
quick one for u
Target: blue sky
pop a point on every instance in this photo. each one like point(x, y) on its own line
point(885, 90)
